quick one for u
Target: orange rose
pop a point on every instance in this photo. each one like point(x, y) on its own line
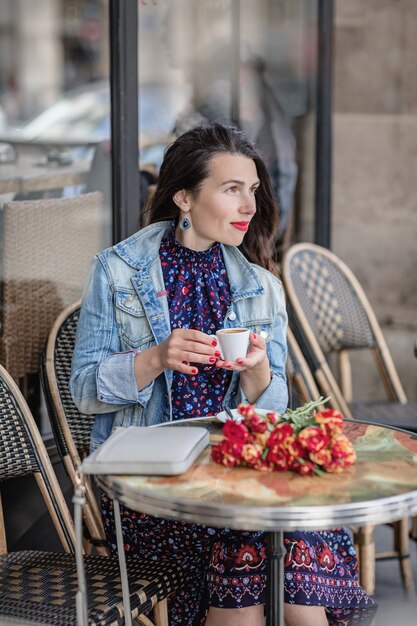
point(321, 457)
point(246, 410)
point(251, 453)
point(331, 420)
point(261, 439)
point(294, 447)
point(341, 448)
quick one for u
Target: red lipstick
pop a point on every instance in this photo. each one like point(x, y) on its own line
point(241, 225)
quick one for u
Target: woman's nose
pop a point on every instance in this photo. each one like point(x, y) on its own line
point(249, 205)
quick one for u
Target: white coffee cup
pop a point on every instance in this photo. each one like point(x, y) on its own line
point(233, 343)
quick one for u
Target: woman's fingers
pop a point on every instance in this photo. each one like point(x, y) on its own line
point(256, 354)
point(186, 347)
point(256, 341)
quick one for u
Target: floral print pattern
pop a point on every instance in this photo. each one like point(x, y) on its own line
point(198, 297)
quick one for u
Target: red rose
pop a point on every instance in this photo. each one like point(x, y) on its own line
point(313, 438)
point(334, 467)
point(257, 424)
point(280, 432)
point(279, 457)
point(306, 468)
point(235, 432)
point(264, 466)
point(224, 454)
point(272, 417)
point(294, 447)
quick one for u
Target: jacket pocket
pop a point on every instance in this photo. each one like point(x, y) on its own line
point(132, 324)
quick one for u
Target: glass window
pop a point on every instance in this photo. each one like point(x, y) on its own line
point(54, 153)
point(221, 60)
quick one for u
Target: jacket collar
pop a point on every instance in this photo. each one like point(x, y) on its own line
point(141, 250)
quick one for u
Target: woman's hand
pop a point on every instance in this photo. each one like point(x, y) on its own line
point(255, 373)
point(185, 347)
point(255, 356)
point(180, 351)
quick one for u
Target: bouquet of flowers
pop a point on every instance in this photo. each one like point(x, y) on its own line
point(302, 440)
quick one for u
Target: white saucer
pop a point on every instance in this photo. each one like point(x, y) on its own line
point(223, 416)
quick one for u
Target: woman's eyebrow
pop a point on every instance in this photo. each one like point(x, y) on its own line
point(235, 181)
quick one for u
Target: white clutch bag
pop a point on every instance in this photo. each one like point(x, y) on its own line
point(143, 450)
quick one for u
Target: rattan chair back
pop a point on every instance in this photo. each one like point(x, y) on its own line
point(22, 452)
point(330, 313)
point(71, 428)
point(335, 316)
point(302, 387)
point(40, 587)
point(47, 247)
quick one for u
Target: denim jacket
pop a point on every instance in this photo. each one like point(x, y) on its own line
point(125, 310)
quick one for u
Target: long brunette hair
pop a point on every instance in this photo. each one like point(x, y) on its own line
point(187, 163)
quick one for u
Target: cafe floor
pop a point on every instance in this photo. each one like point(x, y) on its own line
point(393, 607)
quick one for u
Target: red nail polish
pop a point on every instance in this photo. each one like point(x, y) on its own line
point(212, 359)
point(185, 362)
point(240, 361)
point(214, 343)
point(194, 370)
point(217, 354)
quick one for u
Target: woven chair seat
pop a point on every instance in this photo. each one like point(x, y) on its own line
point(41, 587)
point(387, 413)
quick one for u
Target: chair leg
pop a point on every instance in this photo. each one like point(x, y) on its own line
point(160, 613)
point(402, 546)
point(413, 532)
point(364, 540)
point(143, 620)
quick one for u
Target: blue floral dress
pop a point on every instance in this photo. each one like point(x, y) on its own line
point(227, 568)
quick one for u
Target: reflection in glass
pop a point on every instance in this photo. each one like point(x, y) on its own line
point(222, 60)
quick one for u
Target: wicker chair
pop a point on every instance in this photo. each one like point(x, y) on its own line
point(301, 384)
point(333, 316)
point(303, 388)
point(71, 428)
point(40, 587)
point(47, 246)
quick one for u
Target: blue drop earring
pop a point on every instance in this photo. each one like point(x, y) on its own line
point(185, 223)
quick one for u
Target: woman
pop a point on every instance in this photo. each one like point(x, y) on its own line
point(146, 353)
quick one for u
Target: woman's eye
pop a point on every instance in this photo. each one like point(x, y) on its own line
point(232, 189)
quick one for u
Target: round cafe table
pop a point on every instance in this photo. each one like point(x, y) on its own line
point(380, 487)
